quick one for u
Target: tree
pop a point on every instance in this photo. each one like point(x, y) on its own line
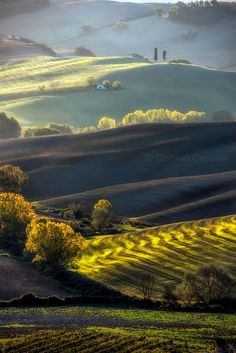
point(54, 243)
point(15, 214)
point(82, 51)
point(155, 55)
point(12, 179)
point(116, 85)
point(147, 287)
point(106, 83)
point(185, 292)
point(101, 214)
point(120, 26)
point(9, 127)
point(136, 117)
point(159, 12)
point(169, 297)
point(106, 123)
point(164, 55)
point(205, 284)
point(222, 116)
point(61, 128)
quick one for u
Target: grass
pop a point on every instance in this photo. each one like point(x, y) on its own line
point(66, 97)
point(113, 330)
point(166, 252)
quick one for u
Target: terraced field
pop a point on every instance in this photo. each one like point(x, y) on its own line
point(97, 329)
point(166, 252)
point(57, 86)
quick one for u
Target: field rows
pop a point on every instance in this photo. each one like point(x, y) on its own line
point(166, 252)
point(28, 75)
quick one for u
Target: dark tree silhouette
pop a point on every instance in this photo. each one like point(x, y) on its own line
point(164, 55)
point(155, 55)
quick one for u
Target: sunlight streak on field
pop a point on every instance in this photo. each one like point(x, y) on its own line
point(166, 252)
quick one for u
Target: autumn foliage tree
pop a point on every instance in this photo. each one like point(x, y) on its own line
point(106, 123)
point(101, 215)
point(54, 243)
point(12, 179)
point(15, 214)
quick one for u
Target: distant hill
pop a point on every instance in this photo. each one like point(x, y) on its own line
point(12, 47)
point(166, 253)
point(12, 7)
point(164, 173)
point(62, 24)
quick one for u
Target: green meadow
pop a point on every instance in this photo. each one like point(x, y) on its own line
point(122, 330)
point(42, 90)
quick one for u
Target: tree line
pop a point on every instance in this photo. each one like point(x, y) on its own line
point(202, 12)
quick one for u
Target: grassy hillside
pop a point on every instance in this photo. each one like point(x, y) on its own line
point(142, 170)
point(177, 87)
point(166, 252)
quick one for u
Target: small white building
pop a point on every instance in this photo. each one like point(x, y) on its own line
point(101, 87)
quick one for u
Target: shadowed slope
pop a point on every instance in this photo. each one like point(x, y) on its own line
point(18, 278)
point(143, 169)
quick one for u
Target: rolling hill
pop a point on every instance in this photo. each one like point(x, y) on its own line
point(12, 47)
point(162, 172)
point(61, 25)
point(19, 278)
point(165, 252)
point(64, 97)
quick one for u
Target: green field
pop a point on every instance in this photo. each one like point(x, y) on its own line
point(166, 252)
point(66, 98)
point(111, 330)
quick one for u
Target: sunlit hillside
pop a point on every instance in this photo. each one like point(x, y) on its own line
point(166, 252)
point(42, 90)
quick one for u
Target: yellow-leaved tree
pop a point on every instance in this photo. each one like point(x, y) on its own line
point(101, 215)
point(54, 243)
point(15, 214)
point(106, 123)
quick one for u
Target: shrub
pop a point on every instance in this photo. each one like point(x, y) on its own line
point(106, 83)
point(15, 214)
point(222, 116)
point(54, 243)
point(193, 116)
point(87, 130)
point(87, 29)
point(40, 131)
point(190, 35)
point(180, 61)
point(50, 129)
point(82, 51)
point(78, 210)
point(91, 82)
point(61, 128)
point(101, 214)
point(120, 26)
point(106, 123)
point(12, 179)
point(9, 127)
point(116, 85)
point(136, 55)
point(205, 284)
point(137, 117)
